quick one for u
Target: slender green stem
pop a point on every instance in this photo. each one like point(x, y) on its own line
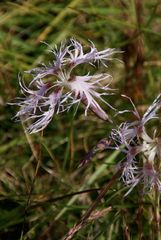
point(28, 203)
point(87, 214)
point(91, 180)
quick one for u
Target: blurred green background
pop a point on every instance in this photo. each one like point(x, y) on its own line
point(35, 169)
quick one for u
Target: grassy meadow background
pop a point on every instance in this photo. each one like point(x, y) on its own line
point(39, 176)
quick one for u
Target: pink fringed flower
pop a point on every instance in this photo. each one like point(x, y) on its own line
point(142, 152)
point(43, 98)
